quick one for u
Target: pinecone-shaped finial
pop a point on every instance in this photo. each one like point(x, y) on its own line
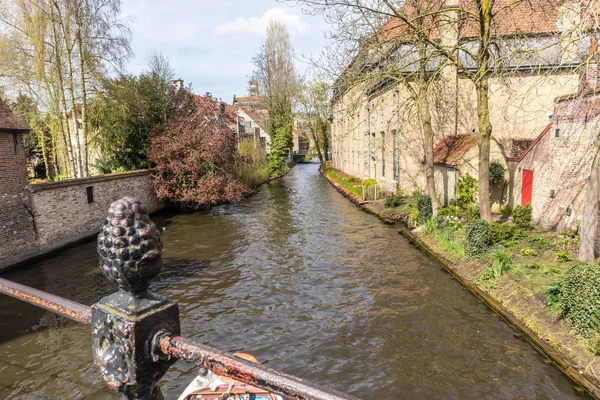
point(129, 246)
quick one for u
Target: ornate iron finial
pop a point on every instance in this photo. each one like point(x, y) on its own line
point(125, 323)
point(129, 246)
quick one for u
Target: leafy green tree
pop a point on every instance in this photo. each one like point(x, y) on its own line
point(38, 142)
point(127, 110)
point(277, 77)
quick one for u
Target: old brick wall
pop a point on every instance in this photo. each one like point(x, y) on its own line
point(63, 214)
point(16, 226)
point(562, 163)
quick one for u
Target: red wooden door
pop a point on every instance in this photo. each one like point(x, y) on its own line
point(527, 187)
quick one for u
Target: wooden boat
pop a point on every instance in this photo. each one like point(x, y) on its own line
point(209, 386)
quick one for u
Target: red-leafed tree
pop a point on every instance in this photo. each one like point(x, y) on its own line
point(194, 155)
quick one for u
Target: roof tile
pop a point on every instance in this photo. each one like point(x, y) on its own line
point(9, 121)
point(451, 149)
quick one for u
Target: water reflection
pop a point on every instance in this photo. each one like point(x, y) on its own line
point(306, 282)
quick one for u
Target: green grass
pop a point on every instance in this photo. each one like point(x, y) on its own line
point(351, 184)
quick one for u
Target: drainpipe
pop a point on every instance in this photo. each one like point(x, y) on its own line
point(369, 138)
point(342, 135)
point(455, 185)
point(397, 138)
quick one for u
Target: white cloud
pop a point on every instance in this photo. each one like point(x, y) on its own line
point(258, 25)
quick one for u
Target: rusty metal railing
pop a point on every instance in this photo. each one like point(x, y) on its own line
point(135, 333)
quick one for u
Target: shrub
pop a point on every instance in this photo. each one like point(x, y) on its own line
point(425, 208)
point(194, 156)
point(353, 180)
point(473, 212)
point(466, 188)
point(580, 297)
point(496, 172)
point(392, 201)
point(506, 211)
point(430, 227)
point(528, 252)
point(451, 222)
point(563, 257)
point(486, 275)
point(553, 294)
point(400, 192)
point(541, 240)
point(505, 233)
point(478, 237)
point(451, 244)
point(369, 182)
point(414, 216)
point(522, 216)
point(252, 168)
point(450, 211)
point(501, 262)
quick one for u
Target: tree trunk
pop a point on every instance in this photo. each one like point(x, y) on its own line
point(428, 134)
point(69, 54)
point(84, 128)
point(485, 133)
point(44, 152)
point(325, 141)
point(589, 220)
point(483, 107)
point(63, 100)
point(422, 102)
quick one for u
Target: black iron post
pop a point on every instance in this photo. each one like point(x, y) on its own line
point(125, 323)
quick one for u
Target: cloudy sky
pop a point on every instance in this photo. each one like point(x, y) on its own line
point(211, 43)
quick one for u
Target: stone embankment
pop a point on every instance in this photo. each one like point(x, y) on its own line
point(512, 300)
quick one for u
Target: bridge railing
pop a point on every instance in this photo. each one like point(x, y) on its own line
point(135, 333)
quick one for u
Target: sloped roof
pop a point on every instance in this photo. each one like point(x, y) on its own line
point(255, 117)
point(250, 100)
point(9, 121)
point(520, 157)
point(513, 18)
point(451, 149)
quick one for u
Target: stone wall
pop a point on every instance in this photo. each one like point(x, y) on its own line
point(67, 211)
point(16, 223)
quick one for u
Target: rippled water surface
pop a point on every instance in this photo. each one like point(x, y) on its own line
point(306, 282)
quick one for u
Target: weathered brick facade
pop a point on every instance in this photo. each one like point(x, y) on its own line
point(68, 211)
point(16, 222)
point(16, 226)
point(561, 161)
point(63, 212)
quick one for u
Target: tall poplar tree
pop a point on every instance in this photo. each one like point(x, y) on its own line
point(278, 81)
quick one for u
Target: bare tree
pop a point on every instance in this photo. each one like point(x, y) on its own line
point(278, 82)
point(470, 38)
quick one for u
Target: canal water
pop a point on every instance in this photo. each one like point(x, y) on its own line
point(299, 277)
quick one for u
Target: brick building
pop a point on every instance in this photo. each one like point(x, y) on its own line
point(553, 173)
point(16, 221)
point(376, 132)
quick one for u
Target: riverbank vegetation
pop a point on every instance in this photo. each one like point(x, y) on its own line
point(252, 167)
point(527, 273)
point(510, 257)
point(194, 155)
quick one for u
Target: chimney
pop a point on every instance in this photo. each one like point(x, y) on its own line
point(589, 77)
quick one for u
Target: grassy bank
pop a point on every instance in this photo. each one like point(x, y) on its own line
point(519, 275)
